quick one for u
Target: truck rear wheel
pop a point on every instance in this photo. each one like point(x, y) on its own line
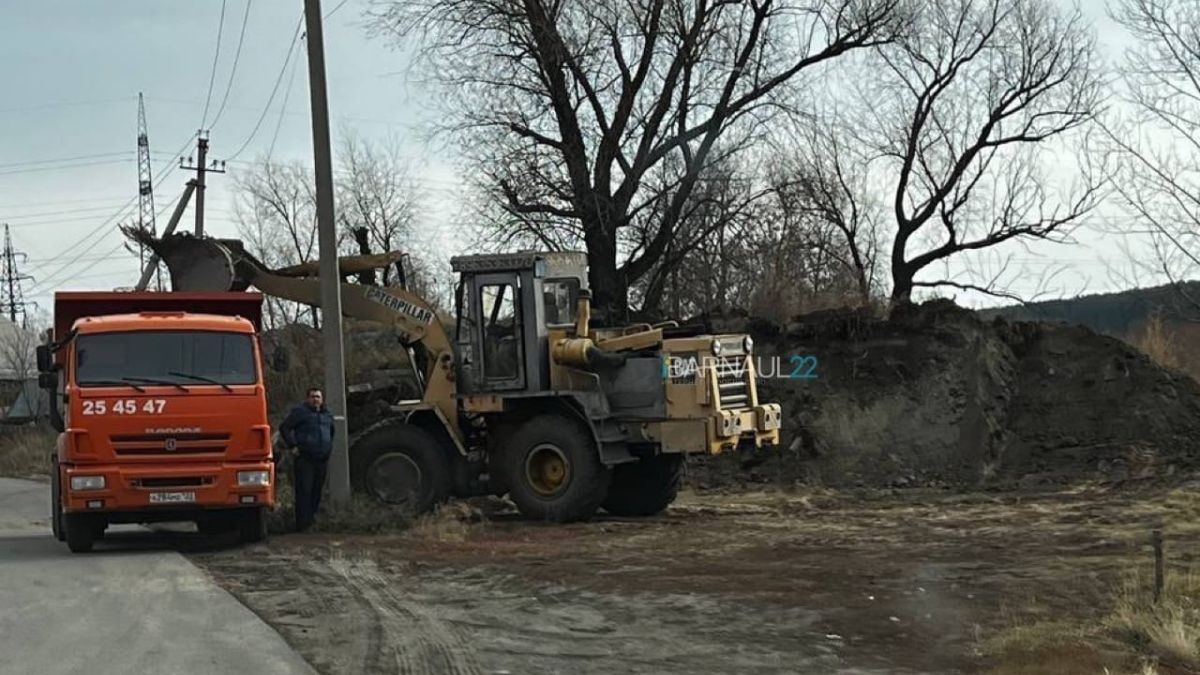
point(553, 470)
point(401, 464)
point(81, 531)
point(645, 487)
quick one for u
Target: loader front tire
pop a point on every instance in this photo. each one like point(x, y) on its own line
point(646, 487)
point(553, 470)
point(401, 464)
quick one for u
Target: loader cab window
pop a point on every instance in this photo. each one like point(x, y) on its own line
point(559, 297)
point(501, 331)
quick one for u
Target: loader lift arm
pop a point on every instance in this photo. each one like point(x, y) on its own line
point(213, 264)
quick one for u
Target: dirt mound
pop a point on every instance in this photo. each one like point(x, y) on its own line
point(378, 372)
point(938, 396)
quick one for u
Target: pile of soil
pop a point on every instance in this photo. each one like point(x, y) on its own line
point(937, 396)
point(378, 372)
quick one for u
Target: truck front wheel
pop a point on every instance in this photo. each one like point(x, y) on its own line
point(252, 525)
point(56, 512)
point(81, 532)
point(553, 470)
point(645, 487)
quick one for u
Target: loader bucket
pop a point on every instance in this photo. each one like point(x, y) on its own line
point(200, 264)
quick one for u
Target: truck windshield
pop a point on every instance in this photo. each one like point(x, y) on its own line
point(191, 357)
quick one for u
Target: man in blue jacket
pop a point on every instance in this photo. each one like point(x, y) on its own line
point(309, 428)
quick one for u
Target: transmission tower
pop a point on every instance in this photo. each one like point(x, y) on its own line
point(12, 297)
point(145, 187)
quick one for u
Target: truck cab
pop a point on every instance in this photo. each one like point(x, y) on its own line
point(162, 413)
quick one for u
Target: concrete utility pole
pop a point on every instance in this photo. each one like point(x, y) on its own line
point(331, 291)
point(202, 169)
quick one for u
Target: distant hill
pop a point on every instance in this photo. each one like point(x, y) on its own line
point(1115, 314)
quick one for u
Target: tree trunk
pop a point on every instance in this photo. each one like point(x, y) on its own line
point(610, 288)
point(902, 285)
point(610, 293)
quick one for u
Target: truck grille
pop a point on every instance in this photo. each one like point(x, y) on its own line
point(733, 379)
point(170, 444)
point(172, 482)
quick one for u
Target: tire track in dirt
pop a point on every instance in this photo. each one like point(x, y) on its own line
point(404, 638)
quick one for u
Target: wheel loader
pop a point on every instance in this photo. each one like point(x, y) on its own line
point(521, 394)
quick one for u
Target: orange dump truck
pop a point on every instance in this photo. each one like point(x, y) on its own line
point(161, 405)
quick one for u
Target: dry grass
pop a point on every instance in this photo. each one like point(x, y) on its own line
point(1168, 630)
point(1157, 342)
point(1138, 635)
point(25, 451)
point(452, 522)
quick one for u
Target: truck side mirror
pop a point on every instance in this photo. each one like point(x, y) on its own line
point(45, 358)
point(48, 381)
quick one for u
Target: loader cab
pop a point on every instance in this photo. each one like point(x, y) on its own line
point(506, 305)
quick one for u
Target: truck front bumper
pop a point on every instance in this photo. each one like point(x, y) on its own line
point(188, 487)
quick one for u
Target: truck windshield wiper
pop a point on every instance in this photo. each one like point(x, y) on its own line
point(154, 380)
point(201, 378)
point(123, 382)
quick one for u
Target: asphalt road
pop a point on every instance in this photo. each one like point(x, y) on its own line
point(134, 605)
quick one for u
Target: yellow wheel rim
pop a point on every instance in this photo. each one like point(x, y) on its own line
point(547, 470)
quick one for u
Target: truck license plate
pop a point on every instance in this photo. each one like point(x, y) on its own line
point(172, 497)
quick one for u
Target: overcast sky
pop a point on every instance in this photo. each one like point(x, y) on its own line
point(73, 70)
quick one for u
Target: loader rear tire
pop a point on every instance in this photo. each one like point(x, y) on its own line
point(553, 470)
point(81, 531)
point(401, 464)
point(644, 488)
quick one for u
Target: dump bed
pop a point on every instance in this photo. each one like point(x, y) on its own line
point(69, 306)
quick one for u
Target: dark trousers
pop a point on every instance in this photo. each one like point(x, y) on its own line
point(308, 478)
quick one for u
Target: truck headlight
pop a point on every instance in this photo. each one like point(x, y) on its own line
point(748, 344)
point(81, 483)
point(716, 347)
point(254, 478)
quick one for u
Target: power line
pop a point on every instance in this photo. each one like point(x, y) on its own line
point(36, 162)
point(65, 104)
point(167, 170)
point(113, 199)
point(61, 167)
point(216, 57)
point(41, 214)
point(274, 90)
point(335, 9)
point(237, 55)
point(287, 94)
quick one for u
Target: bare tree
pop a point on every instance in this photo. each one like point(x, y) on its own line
point(1160, 141)
point(378, 197)
point(974, 105)
point(823, 196)
point(593, 122)
point(18, 358)
point(276, 210)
